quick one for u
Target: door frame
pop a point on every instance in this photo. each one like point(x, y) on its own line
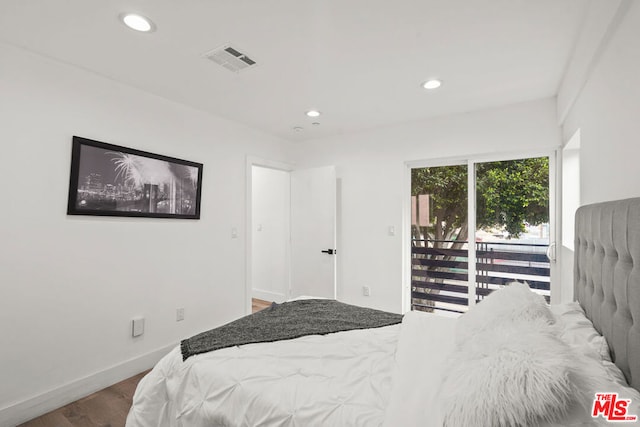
point(470, 161)
point(252, 161)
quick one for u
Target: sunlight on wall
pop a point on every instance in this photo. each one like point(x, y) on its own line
point(570, 187)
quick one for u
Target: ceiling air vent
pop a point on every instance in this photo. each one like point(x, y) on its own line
point(230, 58)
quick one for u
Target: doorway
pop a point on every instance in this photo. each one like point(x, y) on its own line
point(290, 232)
point(270, 239)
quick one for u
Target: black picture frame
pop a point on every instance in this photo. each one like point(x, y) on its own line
point(111, 180)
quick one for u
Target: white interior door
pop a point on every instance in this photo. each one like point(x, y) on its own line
point(313, 232)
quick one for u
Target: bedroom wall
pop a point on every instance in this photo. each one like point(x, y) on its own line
point(71, 285)
point(371, 172)
point(606, 113)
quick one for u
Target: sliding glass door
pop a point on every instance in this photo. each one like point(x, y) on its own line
point(504, 206)
point(439, 244)
point(512, 224)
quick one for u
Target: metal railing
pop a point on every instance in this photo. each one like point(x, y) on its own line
point(439, 271)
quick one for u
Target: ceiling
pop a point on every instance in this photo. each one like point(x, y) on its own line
point(360, 62)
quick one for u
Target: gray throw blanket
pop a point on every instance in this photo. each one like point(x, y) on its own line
point(286, 321)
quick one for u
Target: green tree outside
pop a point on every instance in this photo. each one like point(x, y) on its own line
point(509, 195)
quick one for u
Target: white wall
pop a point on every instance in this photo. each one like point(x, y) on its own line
point(570, 194)
point(371, 172)
point(271, 207)
point(606, 113)
point(71, 285)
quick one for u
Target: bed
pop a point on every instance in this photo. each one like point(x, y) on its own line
point(510, 361)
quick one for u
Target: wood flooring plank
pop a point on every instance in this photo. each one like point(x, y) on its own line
point(52, 419)
point(127, 388)
point(259, 304)
point(75, 413)
point(106, 408)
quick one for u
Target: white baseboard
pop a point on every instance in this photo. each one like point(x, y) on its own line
point(28, 409)
point(267, 295)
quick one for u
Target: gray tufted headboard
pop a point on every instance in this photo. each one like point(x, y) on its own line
point(607, 277)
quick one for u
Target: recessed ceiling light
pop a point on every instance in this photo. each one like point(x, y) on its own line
point(298, 128)
point(432, 84)
point(313, 113)
point(137, 22)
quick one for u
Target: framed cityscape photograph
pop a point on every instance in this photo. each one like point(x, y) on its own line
point(111, 180)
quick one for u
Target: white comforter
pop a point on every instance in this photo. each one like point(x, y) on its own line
point(388, 376)
point(283, 383)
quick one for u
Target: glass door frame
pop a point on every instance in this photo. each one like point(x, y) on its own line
point(471, 162)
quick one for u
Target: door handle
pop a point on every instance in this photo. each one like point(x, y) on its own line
point(329, 251)
point(551, 252)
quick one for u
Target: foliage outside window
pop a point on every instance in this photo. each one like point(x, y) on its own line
point(509, 195)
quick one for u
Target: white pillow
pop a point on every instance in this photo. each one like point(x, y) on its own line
point(598, 373)
point(516, 373)
point(564, 363)
point(576, 330)
point(591, 376)
point(511, 303)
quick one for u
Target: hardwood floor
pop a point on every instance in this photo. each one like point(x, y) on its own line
point(106, 408)
point(259, 304)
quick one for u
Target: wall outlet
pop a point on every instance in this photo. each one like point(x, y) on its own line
point(137, 326)
point(366, 291)
point(179, 314)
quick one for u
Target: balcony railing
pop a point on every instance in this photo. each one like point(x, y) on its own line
point(439, 271)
